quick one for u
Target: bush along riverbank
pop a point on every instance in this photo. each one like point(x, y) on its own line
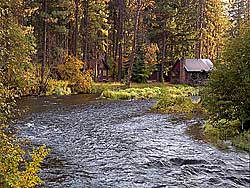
point(178, 99)
point(226, 96)
point(223, 132)
point(19, 164)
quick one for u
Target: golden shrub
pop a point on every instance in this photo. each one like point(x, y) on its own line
point(73, 71)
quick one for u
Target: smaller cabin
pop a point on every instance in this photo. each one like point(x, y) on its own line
point(191, 71)
point(103, 71)
point(100, 68)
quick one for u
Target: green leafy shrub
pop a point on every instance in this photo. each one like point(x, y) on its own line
point(227, 94)
point(18, 167)
point(145, 63)
point(176, 104)
point(177, 100)
point(17, 47)
point(72, 71)
point(222, 129)
point(242, 141)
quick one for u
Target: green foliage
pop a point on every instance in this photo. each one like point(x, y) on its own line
point(175, 104)
point(239, 15)
point(221, 130)
point(79, 81)
point(168, 17)
point(98, 88)
point(177, 100)
point(15, 171)
point(215, 24)
point(227, 94)
point(242, 141)
point(140, 72)
point(171, 99)
point(17, 45)
point(133, 93)
point(226, 97)
point(98, 24)
point(7, 102)
point(29, 80)
point(145, 63)
point(18, 167)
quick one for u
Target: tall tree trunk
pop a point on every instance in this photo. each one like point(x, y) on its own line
point(116, 38)
point(70, 38)
point(86, 31)
point(76, 28)
point(120, 39)
point(163, 61)
point(66, 43)
point(44, 46)
point(133, 53)
point(200, 27)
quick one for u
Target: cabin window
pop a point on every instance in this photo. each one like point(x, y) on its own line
point(194, 76)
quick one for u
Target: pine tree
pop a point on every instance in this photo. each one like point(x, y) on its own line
point(239, 11)
point(213, 30)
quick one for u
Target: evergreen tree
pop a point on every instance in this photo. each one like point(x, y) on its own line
point(227, 95)
point(214, 28)
point(239, 11)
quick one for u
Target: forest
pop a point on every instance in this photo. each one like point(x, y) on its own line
point(131, 38)
point(63, 47)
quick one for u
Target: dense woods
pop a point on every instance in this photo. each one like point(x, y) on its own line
point(61, 46)
point(129, 38)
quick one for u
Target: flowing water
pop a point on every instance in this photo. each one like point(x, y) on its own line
point(102, 144)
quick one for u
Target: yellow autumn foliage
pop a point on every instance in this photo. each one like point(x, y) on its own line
point(18, 167)
point(80, 81)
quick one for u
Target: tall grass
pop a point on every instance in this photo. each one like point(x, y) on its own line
point(133, 93)
point(177, 99)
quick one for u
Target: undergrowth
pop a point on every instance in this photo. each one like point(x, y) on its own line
point(133, 93)
point(242, 141)
point(178, 99)
point(217, 132)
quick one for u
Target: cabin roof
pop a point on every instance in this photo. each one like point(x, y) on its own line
point(198, 65)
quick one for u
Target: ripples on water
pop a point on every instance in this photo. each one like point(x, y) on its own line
point(101, 144)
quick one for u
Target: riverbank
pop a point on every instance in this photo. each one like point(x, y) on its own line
point(186, 100)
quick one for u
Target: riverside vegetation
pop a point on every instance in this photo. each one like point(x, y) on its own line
point(18, 165)
point(226, 96)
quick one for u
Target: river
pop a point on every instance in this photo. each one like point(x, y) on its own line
point(120, 144)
